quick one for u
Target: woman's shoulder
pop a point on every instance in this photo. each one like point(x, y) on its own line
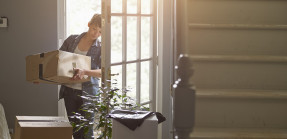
point(73, 36)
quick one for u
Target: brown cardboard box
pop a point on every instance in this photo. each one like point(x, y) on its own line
point(42, 127)
point(55, 67)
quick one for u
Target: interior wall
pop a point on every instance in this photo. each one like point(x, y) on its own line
point(32, 29)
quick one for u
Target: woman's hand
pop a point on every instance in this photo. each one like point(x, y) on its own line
point(78, 74)
point(84, 73)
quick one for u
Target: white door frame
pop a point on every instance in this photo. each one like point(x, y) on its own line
point(165, 66)
point(61, 30)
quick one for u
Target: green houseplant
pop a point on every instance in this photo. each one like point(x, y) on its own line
point(98, 108)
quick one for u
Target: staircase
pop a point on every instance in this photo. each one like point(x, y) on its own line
point(238, 133)
point(239, 54)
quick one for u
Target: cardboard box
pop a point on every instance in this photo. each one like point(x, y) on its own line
point(148, 130)
point(42, 127)
point(55, 67)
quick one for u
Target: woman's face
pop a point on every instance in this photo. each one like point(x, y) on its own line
point(94, 31)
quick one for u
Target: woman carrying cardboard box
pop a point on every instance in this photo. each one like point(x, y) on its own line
point(87, 44)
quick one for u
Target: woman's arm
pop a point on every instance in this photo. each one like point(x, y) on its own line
point(79, 73)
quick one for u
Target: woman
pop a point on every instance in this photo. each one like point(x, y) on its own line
point(88, 44)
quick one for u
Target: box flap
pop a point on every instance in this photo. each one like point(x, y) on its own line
point(44, 124)
point(40, 118)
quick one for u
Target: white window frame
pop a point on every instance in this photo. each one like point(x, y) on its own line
point(106, 48)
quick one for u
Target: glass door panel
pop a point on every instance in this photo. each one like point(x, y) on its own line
point(116, 39)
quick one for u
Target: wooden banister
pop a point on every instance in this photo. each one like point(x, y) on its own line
point(184, 99)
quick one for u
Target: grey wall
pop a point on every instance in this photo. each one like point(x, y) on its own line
point(32, 29)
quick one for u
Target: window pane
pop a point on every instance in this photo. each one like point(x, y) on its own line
point(131, 38)
point(131, 80)
point(116, 39)
point(131, 6)
point(145, 37)
point(116, 6)
point(79, 14)
point(145, 81)
point(117, 79)
point(146, 7)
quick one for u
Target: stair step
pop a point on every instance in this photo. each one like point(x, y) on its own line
point(221, 108)
point(237, 133)
point(268, 75)
point(241, 93)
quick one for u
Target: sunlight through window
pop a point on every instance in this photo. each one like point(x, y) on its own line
point(132, 40)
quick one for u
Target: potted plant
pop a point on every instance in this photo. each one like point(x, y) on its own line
point(98, 108)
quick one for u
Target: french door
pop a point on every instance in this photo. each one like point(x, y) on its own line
point(129, 47)
point(129, 41)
